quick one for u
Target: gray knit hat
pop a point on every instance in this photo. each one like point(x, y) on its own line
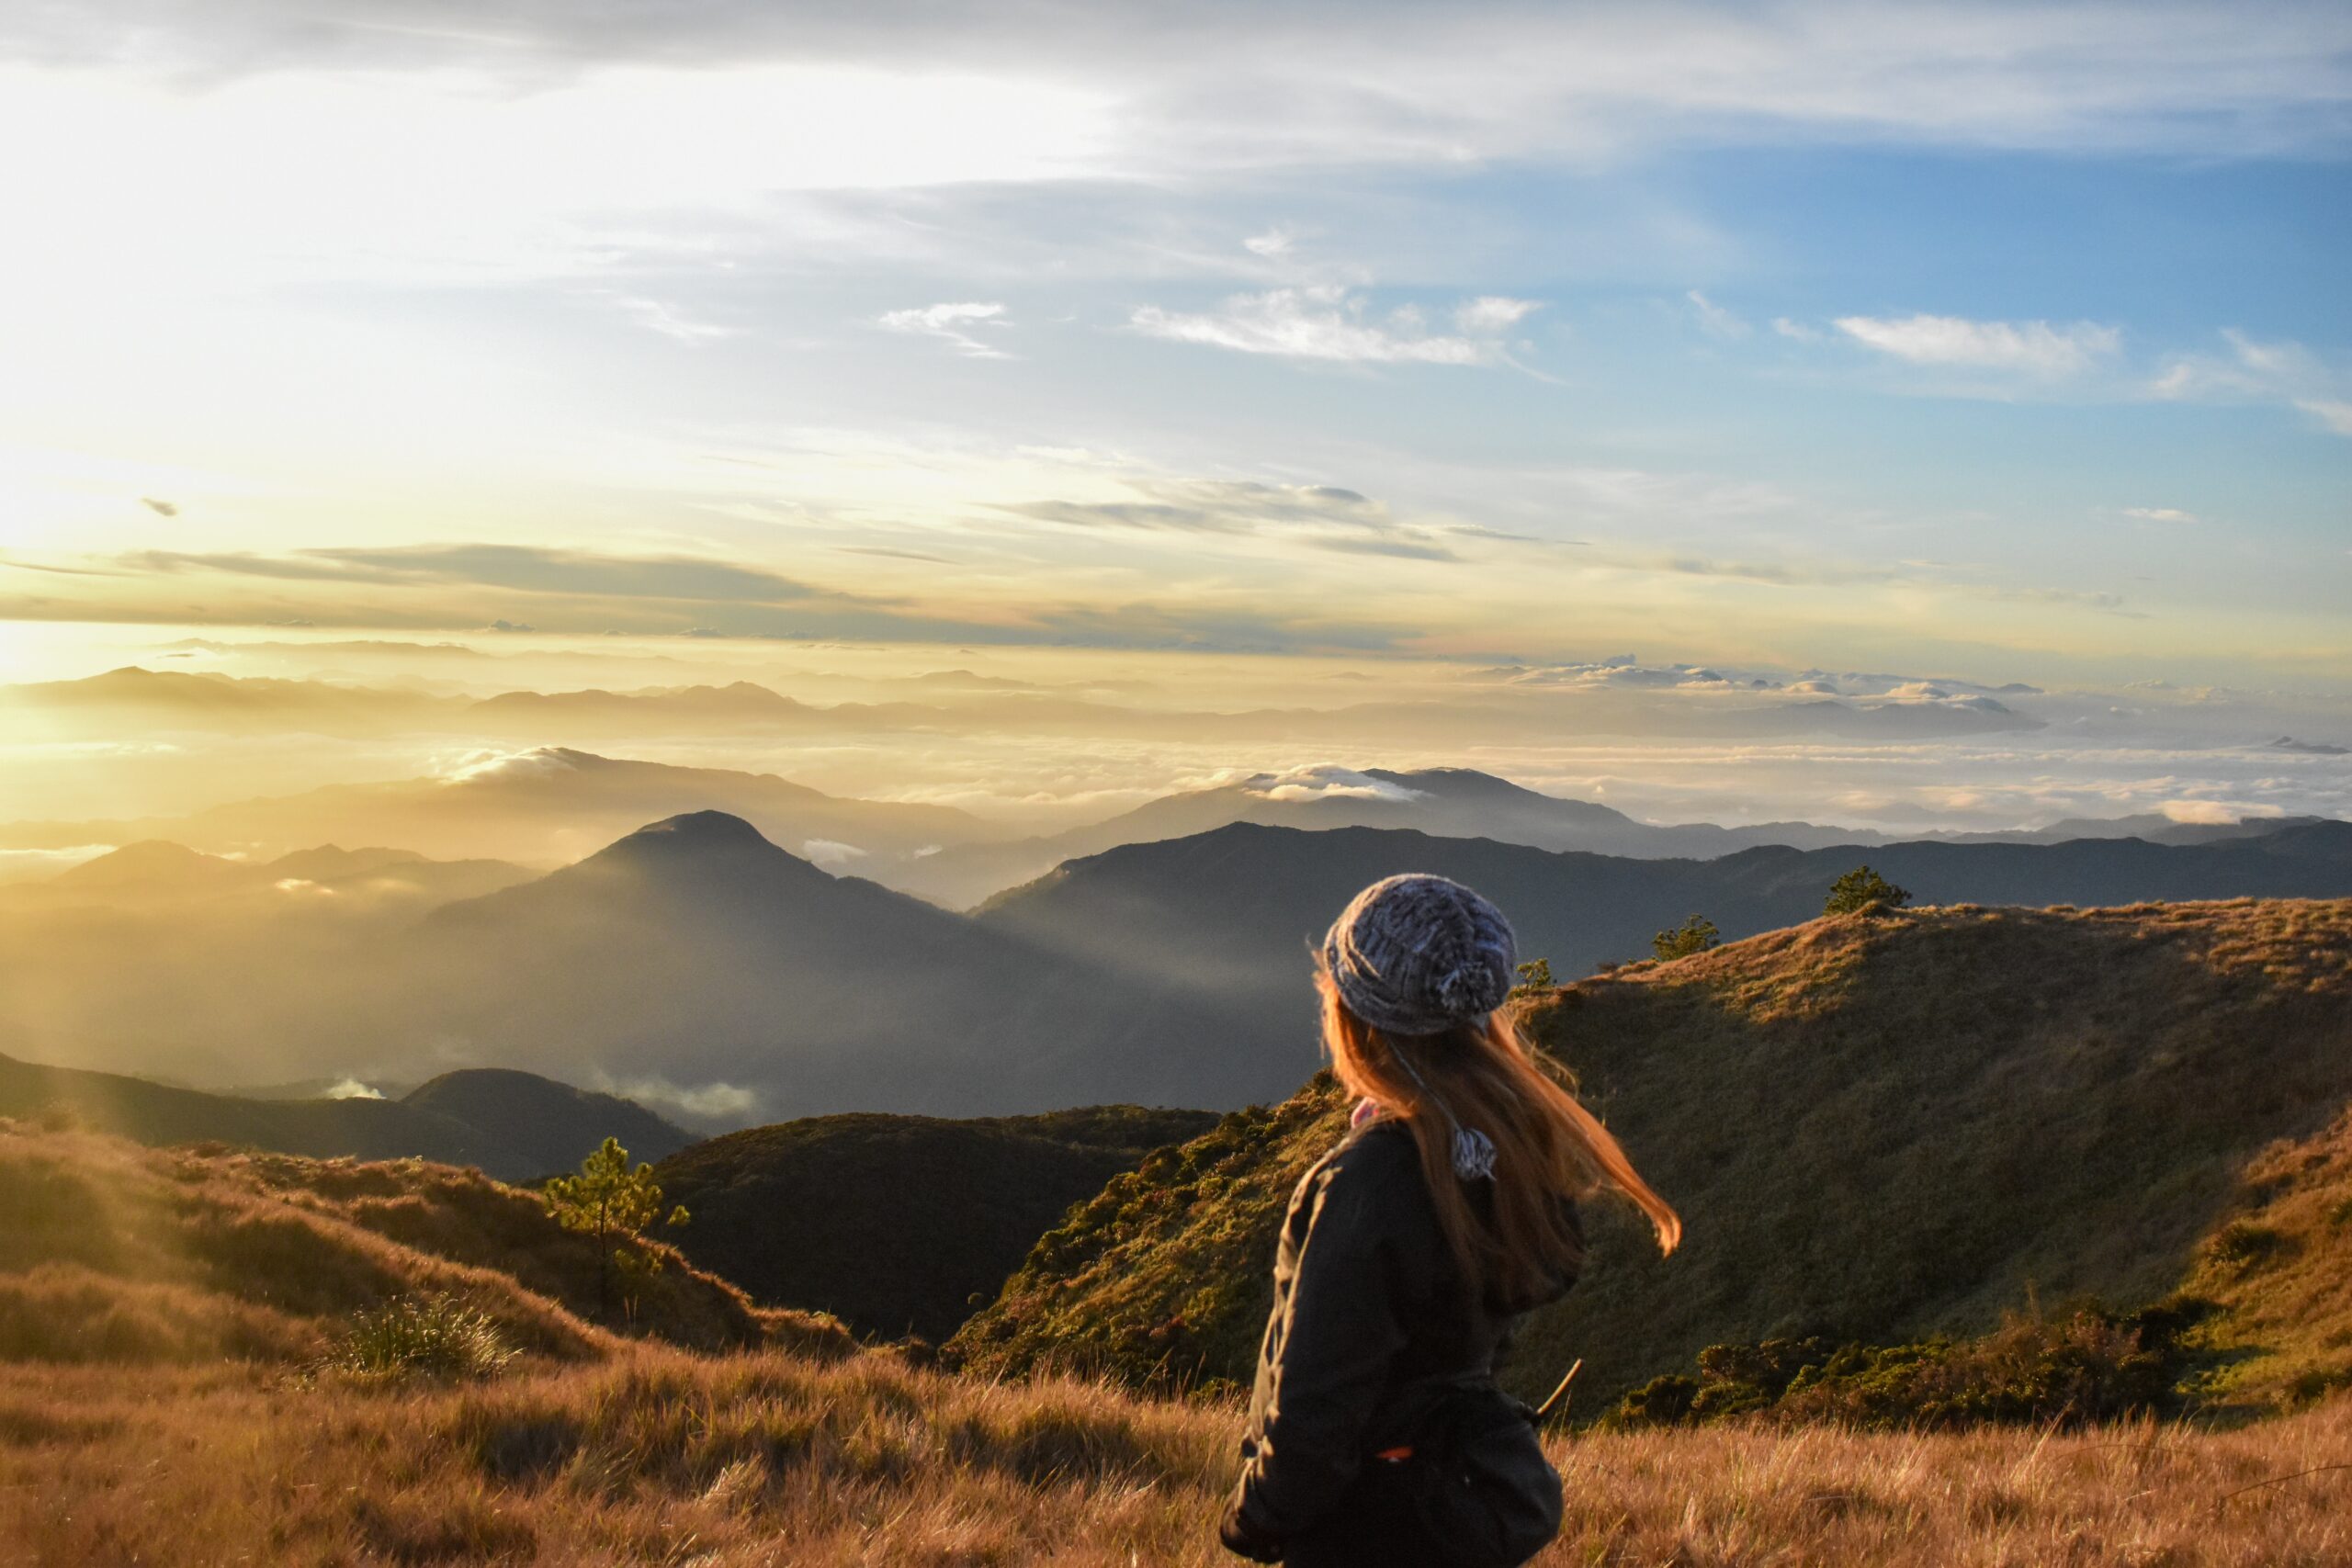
point(1416, 954)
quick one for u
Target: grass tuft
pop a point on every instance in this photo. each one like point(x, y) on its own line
point(432, 1336)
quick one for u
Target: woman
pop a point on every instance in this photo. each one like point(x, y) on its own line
point(1376, 1433)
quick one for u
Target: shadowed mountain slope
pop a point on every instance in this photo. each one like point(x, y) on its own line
point(1875, 1128)
point(542, 1126)
point(895, 1223)
point(513, 1125)
point(696, 952)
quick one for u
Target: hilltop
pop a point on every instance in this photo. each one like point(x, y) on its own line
point(1876, 1128)
point(899, 1224)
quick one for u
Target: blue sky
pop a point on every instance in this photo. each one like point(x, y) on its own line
point(2006, 340)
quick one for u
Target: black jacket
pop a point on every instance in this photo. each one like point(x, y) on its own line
point(1370, 1314)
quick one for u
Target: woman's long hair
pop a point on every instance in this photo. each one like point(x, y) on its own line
point(1483, 1076)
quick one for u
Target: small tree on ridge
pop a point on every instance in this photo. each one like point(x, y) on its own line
point(1862, 891)
point(1694, 935)
point(614, 1204)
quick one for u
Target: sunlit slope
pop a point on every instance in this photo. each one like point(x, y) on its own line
point(897, 1224)
point(113, 1253)
point(1876, 1127)
point(2280, 1267)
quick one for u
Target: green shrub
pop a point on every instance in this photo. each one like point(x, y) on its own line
point(1694, 935)
point(420, 1336)
point(2241, 1243)
point(2091, 1365)
point(1862, 891)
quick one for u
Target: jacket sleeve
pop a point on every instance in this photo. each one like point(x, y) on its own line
point(1327, 1351)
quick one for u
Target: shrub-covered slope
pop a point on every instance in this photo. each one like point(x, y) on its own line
point(110, 1252)
point(896, 1223)
point(1876, 1127)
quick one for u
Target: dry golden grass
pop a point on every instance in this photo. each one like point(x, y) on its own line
point(656, 1456)
point(111, 1252)
point(2280, 1272)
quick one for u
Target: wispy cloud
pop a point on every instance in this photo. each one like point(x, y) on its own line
point(2160, 515)
point(659, 316)
point(1335, 324)
point(2335, 416)
point(1715, 319)
point(520, 568)
point(952, 323)
point(2286, 373)
point(1321, 517)
point(2033, 347)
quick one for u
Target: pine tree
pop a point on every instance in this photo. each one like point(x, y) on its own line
point(616, 1206)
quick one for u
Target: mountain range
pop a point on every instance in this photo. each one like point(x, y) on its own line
point(713, 974)
point(554, 805)
point(1448, 803)
point(549, 806)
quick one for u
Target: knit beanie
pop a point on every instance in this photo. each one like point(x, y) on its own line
point(1417, 954)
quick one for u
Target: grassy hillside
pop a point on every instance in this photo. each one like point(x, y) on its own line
point(513, 1125)
point(154, 1303)
point(896, 1223)
point(660, 1458)
point(1876, 1128)
point(2280, 1268)
point(113, 1253)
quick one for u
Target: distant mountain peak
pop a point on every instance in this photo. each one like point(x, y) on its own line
point(694, 832)
point(150, 860)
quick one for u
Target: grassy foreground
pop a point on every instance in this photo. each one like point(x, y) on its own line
point(658, 1455)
